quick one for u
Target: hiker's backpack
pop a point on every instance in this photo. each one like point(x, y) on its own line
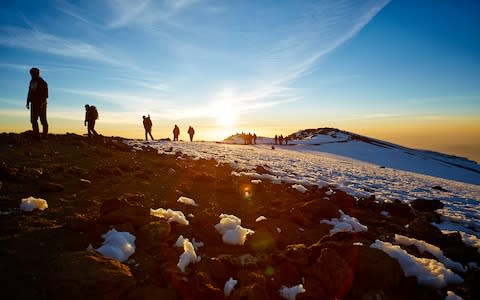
point(93, 113)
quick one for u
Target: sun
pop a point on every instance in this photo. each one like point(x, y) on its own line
point(224, 114)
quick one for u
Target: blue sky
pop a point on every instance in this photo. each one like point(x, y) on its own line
point(242, 65)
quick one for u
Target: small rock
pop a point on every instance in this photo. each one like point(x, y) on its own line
point(439, 188)
point(154, 234)
point(426, 205)
point(51, 187)
point(119, 211)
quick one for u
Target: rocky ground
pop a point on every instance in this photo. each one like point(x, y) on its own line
point(94, 185)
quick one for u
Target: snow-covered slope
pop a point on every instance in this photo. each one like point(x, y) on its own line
point(312, 169)
point(380, 153)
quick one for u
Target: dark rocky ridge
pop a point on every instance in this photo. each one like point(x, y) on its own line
point(94, 185)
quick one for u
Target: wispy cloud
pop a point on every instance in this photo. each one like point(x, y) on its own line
point(38, 41)
point(144, 83)
point(127, 12)
point(318, 31)
point(73, 11)
point(291, 50)
point(16, 67)
point(129, 102)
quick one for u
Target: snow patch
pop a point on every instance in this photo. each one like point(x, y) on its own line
point(170, 215)
point(186, 200)
point(32, 203)
point(229, 285)
point(345, 223)
point(423, 246)
point(452, 296)
point(428, 271)
point(291, 293)
point(231, 230)
point(117, 245)
point(188, 256)
point(300, 188)
point(261, 218)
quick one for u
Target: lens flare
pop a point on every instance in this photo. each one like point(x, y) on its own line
point(269, 271)
point(247, 192)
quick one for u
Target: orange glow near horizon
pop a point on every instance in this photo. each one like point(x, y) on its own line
point(456, 136)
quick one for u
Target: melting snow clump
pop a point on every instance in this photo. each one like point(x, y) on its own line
point(188, 256)
point(345, 223)
point(300, 188)
point(117, 245)
point(229, 285)
point(428, 271)
point(291, 293)
point(423, 246)
point(180, 242)
point(231, 230)
point(32, 203)
point(187, 201)
point(170, 215)
point(261, 218)
point(452, 296)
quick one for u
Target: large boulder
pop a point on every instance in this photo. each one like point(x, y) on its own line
point(87, 275)
point(334, 273)
point(374, 270)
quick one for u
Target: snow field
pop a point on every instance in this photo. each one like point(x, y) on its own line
point(314, 169)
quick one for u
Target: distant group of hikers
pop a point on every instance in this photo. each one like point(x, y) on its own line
point(249, 139)
point(37, 103)
point(279, 140)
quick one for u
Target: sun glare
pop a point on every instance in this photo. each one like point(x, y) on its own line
point(224, 114)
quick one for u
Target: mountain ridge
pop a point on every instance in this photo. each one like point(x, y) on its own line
point(379, 152)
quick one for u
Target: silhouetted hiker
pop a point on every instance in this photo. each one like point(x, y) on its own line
point(254, 138)
point(286, 140)
point(91, 115)
point(280, 139)
point(276, 140)
point(37, 96)
point(147, 124)
point(191, 132)
point(176, 132)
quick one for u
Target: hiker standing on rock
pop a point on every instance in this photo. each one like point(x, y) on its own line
point(91, 115)
point(37, 96)
point(147, 123)
point(191, 132)
point(176, 132)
